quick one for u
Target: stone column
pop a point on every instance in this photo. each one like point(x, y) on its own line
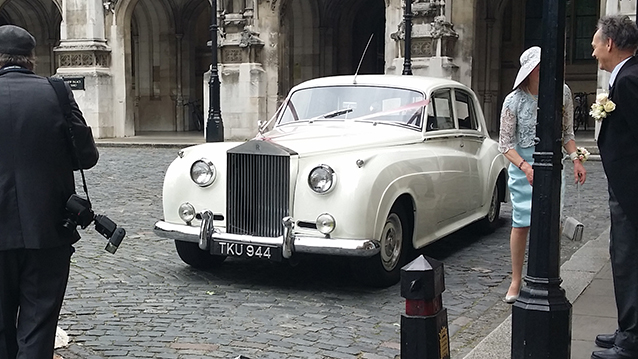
point(433, 42)
point(84, 60)
point(243, 79)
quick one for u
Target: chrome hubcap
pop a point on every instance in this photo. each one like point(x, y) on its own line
point(391, 242)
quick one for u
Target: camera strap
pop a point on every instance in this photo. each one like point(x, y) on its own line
point(65, 104)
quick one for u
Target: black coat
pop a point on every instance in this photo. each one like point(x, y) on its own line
point(36, 168)
point(618, 140)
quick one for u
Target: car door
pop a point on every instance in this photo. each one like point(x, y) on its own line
point(471, 143)
point(442, 137)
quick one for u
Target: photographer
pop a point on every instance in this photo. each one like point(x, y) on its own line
point(36, 180)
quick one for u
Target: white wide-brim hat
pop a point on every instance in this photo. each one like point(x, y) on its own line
point(529, 60)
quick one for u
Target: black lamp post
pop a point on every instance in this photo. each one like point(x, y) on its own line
point(407, 19)
point(214, 124)
point(541, 318)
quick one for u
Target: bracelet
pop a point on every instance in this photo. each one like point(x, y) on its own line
point(573, 156)
point(521, 165)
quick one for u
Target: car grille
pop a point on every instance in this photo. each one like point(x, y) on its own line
point(258, 186)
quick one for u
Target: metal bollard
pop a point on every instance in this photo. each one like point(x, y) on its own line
point(424, 329)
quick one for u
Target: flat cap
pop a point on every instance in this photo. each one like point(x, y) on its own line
point(15, 40)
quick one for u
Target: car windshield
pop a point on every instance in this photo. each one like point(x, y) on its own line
point(359, 103)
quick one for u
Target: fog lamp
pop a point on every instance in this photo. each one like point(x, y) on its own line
point(186, 212)
point(325, 223)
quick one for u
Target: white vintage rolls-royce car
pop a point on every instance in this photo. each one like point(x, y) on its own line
point(368, 166)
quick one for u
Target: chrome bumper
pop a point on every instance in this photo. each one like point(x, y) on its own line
point(289, 242)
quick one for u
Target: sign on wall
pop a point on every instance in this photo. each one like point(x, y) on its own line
point(76, 83)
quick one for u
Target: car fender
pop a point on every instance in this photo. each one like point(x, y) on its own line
point(179, 188)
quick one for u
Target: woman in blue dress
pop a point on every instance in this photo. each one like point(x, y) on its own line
point(516, 142)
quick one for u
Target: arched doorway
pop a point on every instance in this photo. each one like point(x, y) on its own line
point(164, 52)
point(328, 37)
point(42, 19)
point(153, 56)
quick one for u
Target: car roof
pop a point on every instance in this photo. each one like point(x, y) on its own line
point(421, 83)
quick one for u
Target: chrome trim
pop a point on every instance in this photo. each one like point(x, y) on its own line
point(178, 232)
point(288, 237)
point(258, 189)
point(298, 243)
point(206, 229)
point(336, 246)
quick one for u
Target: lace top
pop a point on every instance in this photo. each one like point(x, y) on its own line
point(518, 119)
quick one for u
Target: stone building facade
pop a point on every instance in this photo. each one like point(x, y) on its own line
point(136, 64)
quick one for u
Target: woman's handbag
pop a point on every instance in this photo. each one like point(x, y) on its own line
point(573, 228)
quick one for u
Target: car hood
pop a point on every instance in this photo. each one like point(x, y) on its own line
point(309, 138)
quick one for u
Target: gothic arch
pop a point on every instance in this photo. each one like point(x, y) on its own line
point(42, 19)
point(298, 44)
point(327, 37)
point(153, 58)
point(58, 3)
point(360, 20)
point(195, 20)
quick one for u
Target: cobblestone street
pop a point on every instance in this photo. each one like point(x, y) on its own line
point(144, 302)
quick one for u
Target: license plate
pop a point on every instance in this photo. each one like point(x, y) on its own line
point(245, 250)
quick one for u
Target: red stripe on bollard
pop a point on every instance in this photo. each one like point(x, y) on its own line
point(419, 307)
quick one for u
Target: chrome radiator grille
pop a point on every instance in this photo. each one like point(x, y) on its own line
point(258, 186)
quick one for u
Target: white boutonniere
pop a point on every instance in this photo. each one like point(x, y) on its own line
point(602, 107)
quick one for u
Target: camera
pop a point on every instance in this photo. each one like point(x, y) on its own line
point(81, 214)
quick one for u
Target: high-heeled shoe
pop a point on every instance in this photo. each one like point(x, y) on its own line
point(510, 299)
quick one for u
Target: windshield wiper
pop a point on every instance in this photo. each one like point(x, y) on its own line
point(336, 113)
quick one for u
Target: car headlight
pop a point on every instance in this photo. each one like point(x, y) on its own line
point(325, 223)
point(187, 212)
point(322, 179)
point(203, 172)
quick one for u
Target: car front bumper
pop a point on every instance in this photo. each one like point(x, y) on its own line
point(289, 243)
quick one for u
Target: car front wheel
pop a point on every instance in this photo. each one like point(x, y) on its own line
point(384, 269)
point(190, 253)
point(490, 222)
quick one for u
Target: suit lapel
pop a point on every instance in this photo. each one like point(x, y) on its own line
point(631, 62)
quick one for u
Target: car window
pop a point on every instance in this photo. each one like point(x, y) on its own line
point(465, 113)
point(440, 112)
point(359, 103)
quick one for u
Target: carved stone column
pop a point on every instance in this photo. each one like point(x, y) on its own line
point(243, 79)
point(84, 61)
point(433, 41)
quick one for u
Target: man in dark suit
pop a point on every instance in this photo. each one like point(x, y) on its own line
point(36, 179)
point(614, 45)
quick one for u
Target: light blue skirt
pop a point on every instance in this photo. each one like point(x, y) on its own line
point(520, 190)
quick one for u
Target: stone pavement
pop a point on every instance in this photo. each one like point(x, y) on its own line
point(144, 302)
point(588, 286)
point(586, 279)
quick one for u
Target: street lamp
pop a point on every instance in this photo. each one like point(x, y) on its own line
point(541, 318)
point(214, 124)
point(407, 20)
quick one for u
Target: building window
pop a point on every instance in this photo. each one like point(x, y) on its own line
point(580, 31)
point(580, 24)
